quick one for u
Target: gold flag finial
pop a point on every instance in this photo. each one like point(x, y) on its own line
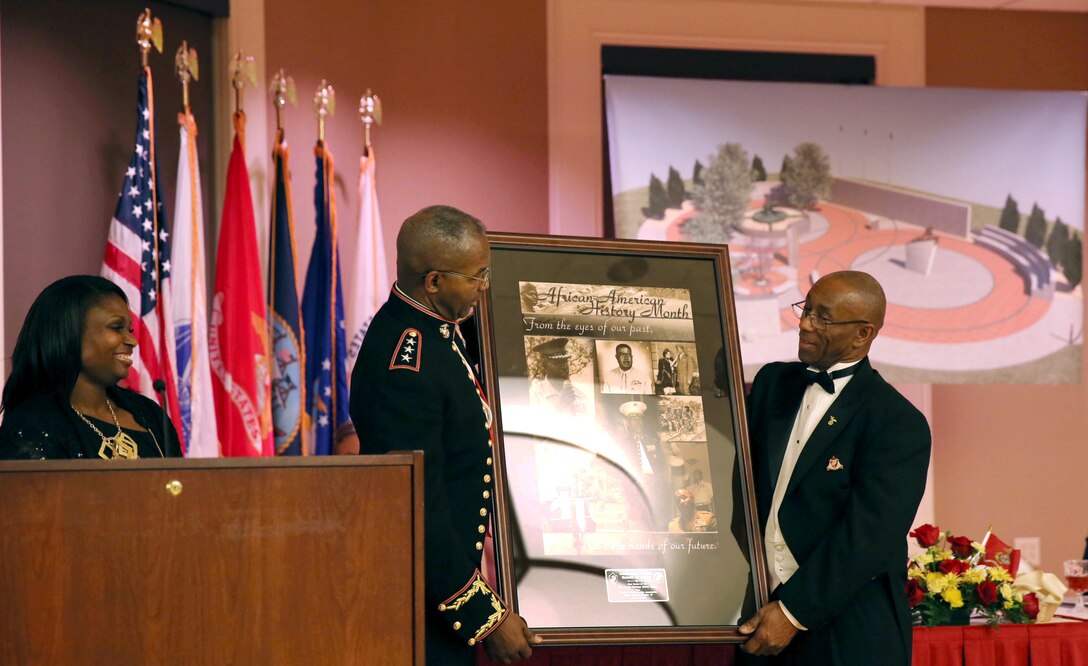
point(325, 105)
point(148, 34)
point(370, 112)
point(283, 91)
point(187, 67)
point(243, 69)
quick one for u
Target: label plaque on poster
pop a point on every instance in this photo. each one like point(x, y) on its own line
point(624, 509)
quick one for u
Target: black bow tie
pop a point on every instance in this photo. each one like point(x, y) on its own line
point(827, 380)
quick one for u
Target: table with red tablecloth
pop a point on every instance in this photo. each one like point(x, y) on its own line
point(1050, 644)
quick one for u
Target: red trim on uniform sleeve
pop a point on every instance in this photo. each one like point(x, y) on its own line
point(407, 354)
point(472, 579)
point(496, 625)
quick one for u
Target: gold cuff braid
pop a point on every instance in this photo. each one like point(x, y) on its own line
point(478, 586)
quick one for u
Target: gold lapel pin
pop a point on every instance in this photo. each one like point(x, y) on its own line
point(832, 421)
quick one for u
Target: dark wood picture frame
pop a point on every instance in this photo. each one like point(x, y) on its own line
point(625, 506)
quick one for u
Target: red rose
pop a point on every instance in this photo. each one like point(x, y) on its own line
point(987, 592)
point(915, 593)
point(1030, 605)
point(961, 547)
point(927, 535)
point(953, 566)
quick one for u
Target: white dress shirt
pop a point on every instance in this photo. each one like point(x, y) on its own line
point(781, 564)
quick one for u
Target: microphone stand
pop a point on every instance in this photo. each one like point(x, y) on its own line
point(160, 388)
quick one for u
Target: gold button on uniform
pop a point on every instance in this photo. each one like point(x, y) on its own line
point(471, 642)
point(479, 546)
point(441, 607)
point(487, 494)
point(456, 626)
point(480, 529)
point(487, 478)
point(483, 512)
point(489, 461)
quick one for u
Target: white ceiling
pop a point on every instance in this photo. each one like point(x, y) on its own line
point(1026, 5)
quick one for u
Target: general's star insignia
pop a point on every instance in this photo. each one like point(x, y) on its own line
point(407, 354)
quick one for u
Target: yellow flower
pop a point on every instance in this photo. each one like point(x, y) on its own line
point(936, 582)
point(915, 572)
point(974, 576)
point(999, 575)
point(1006, 591)
point(923, 558)
point(953, 597)
point(945, 554)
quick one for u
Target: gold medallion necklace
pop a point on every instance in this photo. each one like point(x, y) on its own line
point(120, 445)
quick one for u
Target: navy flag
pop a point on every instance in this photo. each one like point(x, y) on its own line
point(289, 416)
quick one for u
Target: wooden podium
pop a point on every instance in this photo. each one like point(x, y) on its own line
point(232, 561)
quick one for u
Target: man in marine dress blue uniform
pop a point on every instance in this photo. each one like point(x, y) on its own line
point(839, 462)
point(414, 387)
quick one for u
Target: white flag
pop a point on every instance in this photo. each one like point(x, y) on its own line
point(190, 304)
point(368, 286)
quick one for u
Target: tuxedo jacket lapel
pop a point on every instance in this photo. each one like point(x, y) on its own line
point(853, 397)
point(781, 422)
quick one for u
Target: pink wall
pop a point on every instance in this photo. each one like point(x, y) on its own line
point(464, 90)
point(1004, 454)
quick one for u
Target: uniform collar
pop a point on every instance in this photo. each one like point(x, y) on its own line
point(416, 305)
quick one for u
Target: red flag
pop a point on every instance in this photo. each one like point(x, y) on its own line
point(1000, 554)
point(238, 343)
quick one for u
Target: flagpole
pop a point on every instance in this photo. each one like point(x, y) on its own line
point(186, 64)
point(148, 34)
point(283, 91)
point(370, 113)
point(325, 106)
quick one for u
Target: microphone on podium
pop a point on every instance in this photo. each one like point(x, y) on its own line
point(160, 388)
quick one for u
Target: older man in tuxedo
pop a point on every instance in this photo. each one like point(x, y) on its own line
point(839, 460)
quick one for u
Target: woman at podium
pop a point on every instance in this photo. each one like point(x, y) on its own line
point(62, 399)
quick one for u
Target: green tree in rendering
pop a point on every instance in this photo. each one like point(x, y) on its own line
point(759, 173)
point(659, 199)
point(784, 172)
point(722, 197)
point(1058, 243)
point(697, 174)
point(1073, 267)
point(1010, 215)
point(1035, 231)
point(675, 189)
point(809, 176)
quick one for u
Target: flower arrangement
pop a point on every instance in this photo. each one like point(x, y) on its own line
point(946, 583)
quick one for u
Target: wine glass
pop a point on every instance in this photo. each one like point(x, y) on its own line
point(1076, 576)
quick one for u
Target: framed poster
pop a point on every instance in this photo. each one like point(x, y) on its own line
point(625, 508)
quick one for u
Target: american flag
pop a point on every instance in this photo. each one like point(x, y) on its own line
point(137, 260)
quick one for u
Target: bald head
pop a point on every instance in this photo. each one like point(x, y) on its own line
point(863, 293)
point(435, 238)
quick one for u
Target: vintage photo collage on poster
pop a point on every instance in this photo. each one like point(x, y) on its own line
point(613, 369)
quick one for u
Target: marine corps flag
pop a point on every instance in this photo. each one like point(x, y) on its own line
point(1000, 554)
point(288, 339)
point(238, 343)
point(323, 317)
point(137, 260)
